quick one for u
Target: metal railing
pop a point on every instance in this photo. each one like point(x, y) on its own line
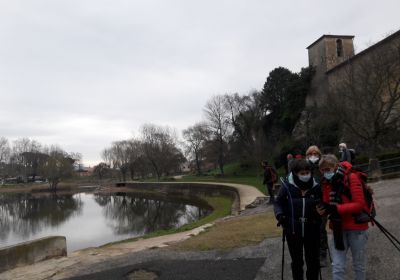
point(387, 166)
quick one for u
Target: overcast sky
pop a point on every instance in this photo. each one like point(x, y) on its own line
point(84, 73)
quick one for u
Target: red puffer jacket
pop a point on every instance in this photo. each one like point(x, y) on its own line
point(348, 207)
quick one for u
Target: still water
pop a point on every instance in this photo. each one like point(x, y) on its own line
point(88, 220)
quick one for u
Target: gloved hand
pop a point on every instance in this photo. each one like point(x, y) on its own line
point(334, 198)
point(281, 219)
point(330, 208)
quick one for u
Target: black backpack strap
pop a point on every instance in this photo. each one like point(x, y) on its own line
point(344, 187)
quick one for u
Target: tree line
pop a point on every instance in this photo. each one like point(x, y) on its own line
point(155, 153)
point(27, 160)
point(245, 128)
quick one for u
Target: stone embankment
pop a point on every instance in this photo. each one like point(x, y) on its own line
point(31, 252)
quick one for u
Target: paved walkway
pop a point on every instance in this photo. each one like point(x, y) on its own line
point(247, 194)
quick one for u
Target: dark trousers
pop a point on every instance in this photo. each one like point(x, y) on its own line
point(310, 245)
point(323, 238)
point(270, 188)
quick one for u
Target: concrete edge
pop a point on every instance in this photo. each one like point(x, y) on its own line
point(31, 252)
point(246, 194)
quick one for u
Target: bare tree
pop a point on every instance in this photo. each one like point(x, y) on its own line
point(196, 137)
point(160, 149)
point(124, 156)
point(217, 117)
point(366, 97)
point(4, 149)
point(59, 166)
point(5, 152)
point(101, 170)
point(246, 114)
point(27, 156)
point(135, 151)
point(118, 157)
point(107, 157)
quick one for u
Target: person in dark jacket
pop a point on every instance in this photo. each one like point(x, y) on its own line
point(313, 155)
point(343, 197)
point(270, 177)
point(345, 154)
point(295, 210)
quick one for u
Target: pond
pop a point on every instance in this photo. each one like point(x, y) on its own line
point(88, 219)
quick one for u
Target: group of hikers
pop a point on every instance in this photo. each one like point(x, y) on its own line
point(316, 189)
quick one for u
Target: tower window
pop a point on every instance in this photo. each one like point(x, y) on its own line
point(339, 47)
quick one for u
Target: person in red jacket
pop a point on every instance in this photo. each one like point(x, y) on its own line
point(342, 198)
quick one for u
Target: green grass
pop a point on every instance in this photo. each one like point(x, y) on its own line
point(221, 207)
point(232, 233)
point(246, 180)
point(233, 173)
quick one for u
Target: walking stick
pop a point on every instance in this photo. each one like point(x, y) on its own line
point(283, 253)
point(388, 234)
point(329, 254)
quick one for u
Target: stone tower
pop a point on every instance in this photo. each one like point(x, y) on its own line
point(324, 54)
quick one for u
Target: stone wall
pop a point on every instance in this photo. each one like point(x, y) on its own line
point(32, 251)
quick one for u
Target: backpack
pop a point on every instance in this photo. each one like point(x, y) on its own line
point(369, 212)
point(274, 176)
point(270, 175)
point(352, 153)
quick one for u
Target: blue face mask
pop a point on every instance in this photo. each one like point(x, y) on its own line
point(305, 178)
point(329, 175)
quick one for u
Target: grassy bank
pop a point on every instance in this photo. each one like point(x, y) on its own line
point(235, 232)
point(233, 173)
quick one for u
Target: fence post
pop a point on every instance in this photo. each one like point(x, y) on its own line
point(375, 171)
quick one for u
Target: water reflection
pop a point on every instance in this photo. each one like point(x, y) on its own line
point(25, 215)
point(89, 220)
point(126, 213)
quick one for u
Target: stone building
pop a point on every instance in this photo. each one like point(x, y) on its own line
point(333, 57)
point(324, 55)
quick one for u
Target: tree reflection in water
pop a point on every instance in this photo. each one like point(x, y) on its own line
point(127, 213)
point(91, 219)
point(27, 214)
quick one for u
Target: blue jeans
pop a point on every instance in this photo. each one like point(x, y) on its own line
point(356, 241)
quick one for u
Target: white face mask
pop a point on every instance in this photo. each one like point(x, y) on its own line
point(328, 175)
point(305, 178)
point(313, 159)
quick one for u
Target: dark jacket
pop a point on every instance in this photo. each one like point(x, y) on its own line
point(345, 155)
point(270, 175)
point(299, 207)
point(315, 171)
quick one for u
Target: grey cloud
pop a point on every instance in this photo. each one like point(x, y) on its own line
point(115, 65)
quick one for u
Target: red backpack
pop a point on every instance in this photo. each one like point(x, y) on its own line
point(369, 212)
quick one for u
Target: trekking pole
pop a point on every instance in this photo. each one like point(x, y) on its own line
point(388, 235)
point(283, 253)
point(329, 254)
point(320, 274)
